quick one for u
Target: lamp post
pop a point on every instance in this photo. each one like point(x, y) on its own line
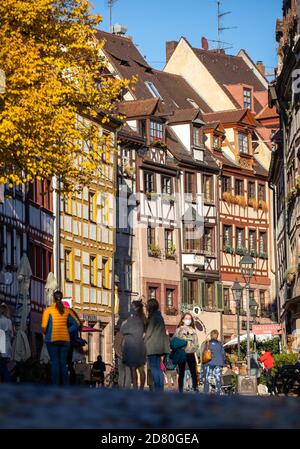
point(247, 264)
point(237, 293)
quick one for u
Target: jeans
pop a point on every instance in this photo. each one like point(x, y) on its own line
point(58, 355)
point(156, 373)
point(191, 362)
point(216, 373)
point(4, 372)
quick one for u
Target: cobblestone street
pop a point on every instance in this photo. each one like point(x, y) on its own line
point(27, 407)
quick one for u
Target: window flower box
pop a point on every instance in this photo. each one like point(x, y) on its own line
point(171, 311)
point(154, 251)
point(168, 198)
point(158, 143)
point(263, 255)
point(228, 311)
point(151, 195)
point(263, 205)
point(252, 202)
point(253, 253)
point(170, 253)
point(240, 251)
point(228, 197)
point(228, 249)
point(241, 201)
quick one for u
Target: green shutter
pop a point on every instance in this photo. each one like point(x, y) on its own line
point(219, 289)
point(201, 292)
point(185, 291)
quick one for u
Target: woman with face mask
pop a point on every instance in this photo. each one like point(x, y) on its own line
point(186, 331)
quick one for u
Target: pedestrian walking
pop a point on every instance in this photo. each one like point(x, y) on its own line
point(157, 344)
point(133, 347)
point(58, 323)
point(267, 360)
point(98, 371)
point(186, 331)
point(213, 361)
point(6, 336)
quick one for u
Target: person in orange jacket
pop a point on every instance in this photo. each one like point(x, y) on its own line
point(268, 362)
point(58, 323)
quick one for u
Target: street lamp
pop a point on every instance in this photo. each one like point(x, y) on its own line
point(237, 294)
point(253, 306)
point(247, 264)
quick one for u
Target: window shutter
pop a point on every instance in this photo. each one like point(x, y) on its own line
point(219, 289)
point(201, 292)
point(185, 291)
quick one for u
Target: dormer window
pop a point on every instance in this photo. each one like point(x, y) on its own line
point(156, 130)
point(247, 99)
point(152, 89)
point(217, 143)
point(197, 136)
point(243, 143)
point(193, 103)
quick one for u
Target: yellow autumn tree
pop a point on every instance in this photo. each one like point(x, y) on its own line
point(54, 76)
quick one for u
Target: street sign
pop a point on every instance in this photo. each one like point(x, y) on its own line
point(262, 329)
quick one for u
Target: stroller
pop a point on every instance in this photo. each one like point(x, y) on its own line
point(228, 383)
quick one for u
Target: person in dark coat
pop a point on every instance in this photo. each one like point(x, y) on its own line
point(214, 367)
point(133, 346)
point(157, 344)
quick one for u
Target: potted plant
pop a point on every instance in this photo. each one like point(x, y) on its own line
point(154, 250)
point(169, 198)
point(263, 255)
point(253, 253)
point(263, 205)
point(151, 195)
point(228, 249)
point(158, 143)
point(129, 169)
point(171, 251)
point(240, 251)
point(227, 196)
point(241, 201)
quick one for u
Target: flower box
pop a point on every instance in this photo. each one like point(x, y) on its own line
point(228, 249)
point(253, 253)
point(154, 251)
point(240, 251)
point(263, 255)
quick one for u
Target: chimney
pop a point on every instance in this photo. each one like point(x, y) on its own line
point(261, 68)
point(170, 48)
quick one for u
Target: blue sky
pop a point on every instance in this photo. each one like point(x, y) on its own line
point(153, 22)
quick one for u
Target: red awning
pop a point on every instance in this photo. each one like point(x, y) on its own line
point(89, 329)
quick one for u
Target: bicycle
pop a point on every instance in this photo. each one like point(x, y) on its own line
point(111, 379)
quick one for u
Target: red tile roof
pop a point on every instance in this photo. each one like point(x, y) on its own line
point(230, 116)
point(267, 113)
point(185, 115)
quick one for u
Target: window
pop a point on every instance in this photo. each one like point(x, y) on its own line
point(261, 192)
point(239, 187)
point(192, 297)
point(240, 238)
point(243, 143)
point(247, 99)
point(262, 242)
point(156, 130)
point(93, 270)
point(68, 265)
point(105, 273)
point(9, 247)
point(166, 185)
point(191, 238)
point(143, 128)
point(128, 276)
point(217, 142)
point(208, 187)
point(92, 206)
point(169, 298)
point(152, 293)
point(251, 189)
point(19, 247)
point(152, 89)
point(226, 299)
point(226, 184)
point(252, 240)
point(148, 182)
point(209, 295)
point(208, 240)
point(227, 233)
point(197, 136)
point(190, 184)
point(150, 236)
point(262, 302)
point(68, 204)
point(168, 241)
point(251, 295)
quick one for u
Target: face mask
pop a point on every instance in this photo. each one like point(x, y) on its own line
point(187, 322)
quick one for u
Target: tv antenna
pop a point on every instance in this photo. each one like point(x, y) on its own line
point(220, 27)
point(110, 4)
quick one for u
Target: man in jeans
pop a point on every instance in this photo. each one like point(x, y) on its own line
point(214, 367)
